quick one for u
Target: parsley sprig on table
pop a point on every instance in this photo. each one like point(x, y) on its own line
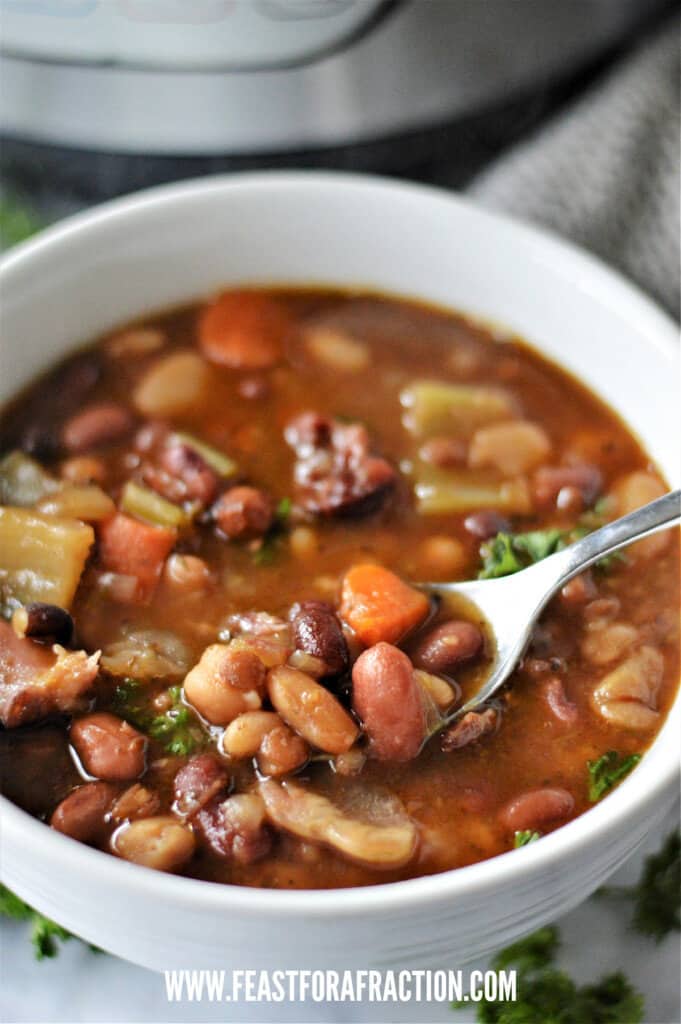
point(45, 934)
point(507, 553)
point(657, 894)
point(547, 995)
point(177, 729)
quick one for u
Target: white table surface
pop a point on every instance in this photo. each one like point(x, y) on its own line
point(80, 987)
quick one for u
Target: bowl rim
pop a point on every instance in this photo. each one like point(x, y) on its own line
point(610, 288)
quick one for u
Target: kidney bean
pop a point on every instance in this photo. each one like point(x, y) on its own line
point(388, 700)
point(235, 828)
point(97, 424)
point(180, 460)
point(197, 782)
point(108, 747)
point(443, 649)
point(537, 808)
point(161, 843)
point(550, 480)
point(469, 728)
point(47, 623)
point(226, 682)
point(486, 524)
point(311, 710)
point(136, 802)
point(243, 512)
point(317, 631)
point(553, 691)
point(83, 813)
point(444, 451)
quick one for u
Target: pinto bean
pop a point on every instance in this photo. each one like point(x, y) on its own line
point(235, 828)
point(243, 512)
point(108, 747)
point(311, 710)
point(469, 728)
point(97, 424)
point(564, 710)
point(265, 735)
point(486, 524)
point(83, 813)
point(197, 782)
point(226, 682)
point(549, 481)
point(161, 843)
point(444, 452)
point(537, 808)
point(443, 649)
point(388, 700)
point(442, 556)
point(317, 631)
point(182, 461)
point(136, 802)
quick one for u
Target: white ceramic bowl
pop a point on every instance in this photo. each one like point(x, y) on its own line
point(173, 244)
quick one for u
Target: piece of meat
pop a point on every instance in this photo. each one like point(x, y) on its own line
point(335, 473)
point(36, 681)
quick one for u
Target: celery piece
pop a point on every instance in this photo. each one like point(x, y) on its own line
point(23, 481)
point(217, 460)
point(436, 407)
point(41, 557)
point(439, 493)
point(146, 504)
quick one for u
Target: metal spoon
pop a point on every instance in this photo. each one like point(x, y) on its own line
point(512, 604)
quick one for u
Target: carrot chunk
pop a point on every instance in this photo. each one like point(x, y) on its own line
point(379, 605)
point(244, 330)
point(132, 548)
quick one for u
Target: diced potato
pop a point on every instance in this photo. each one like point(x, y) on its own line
point(41, 557)
point(23, 481)
point(439, 493)
point(436, 407)
point(85, 501)
point(143, 503)
point(173, 385)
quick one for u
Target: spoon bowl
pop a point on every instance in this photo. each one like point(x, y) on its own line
point(512, 604)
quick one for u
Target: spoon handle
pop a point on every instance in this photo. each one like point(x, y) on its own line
point(658, 515)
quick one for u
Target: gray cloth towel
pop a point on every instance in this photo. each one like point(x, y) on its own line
point(606, 171)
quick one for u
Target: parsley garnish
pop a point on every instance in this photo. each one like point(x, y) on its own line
point(547, 995)
point(177, 729)
point(45, 934)
point(510, 552)
point(657, 894)
point(524, 837)
point(17, 221)
point(607, 770)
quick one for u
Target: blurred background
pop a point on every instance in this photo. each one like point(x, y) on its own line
point(565, 113)
point(102, 97)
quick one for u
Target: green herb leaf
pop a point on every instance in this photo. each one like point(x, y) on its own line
point(499, 557)
point(607, 770)
point(525, 837)
point(17, 221)
point(284, 509)
point(547, 995)
point(45, 934)
point(657, 896)
point(177, 729)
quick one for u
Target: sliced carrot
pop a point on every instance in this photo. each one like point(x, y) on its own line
point(379, 605)
point(132, 548)
point(243, 329)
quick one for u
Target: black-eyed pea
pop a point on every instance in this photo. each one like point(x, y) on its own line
point(310, 710)
point(225, 683)
point(160, 842)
